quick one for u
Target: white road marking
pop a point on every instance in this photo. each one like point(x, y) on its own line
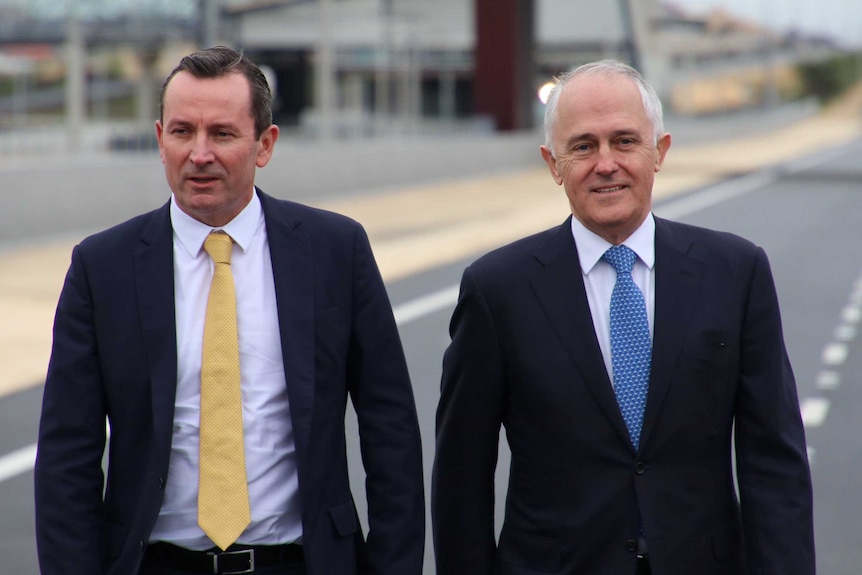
point(851, 314)
point(425, 305)
point(828, 379)
point(814, 410)
point(845, 332)
point(834, 353)
point(716, 194)
point(17, 462)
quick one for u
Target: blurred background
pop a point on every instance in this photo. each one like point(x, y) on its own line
point(89, 70)
point(422, 120)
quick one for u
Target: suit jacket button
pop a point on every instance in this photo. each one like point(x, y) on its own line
point(162, 483)
point(142, 545)
point(640, 468)
point(631, 545)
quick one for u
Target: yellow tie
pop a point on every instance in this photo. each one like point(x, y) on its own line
point(223, 508)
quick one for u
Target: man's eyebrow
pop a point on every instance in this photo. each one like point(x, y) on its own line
point(223, 126)
point(589, 136)
point(626, 132)
point(216, 126)
point(580, 138)
point(176, 121)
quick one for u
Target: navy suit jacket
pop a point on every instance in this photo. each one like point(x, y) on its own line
point(524, 355)
point(115, 355)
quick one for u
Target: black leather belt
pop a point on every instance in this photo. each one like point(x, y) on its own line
point(236, 559)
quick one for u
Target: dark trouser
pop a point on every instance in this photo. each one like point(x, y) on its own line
point(167, 559)
point(643, 566)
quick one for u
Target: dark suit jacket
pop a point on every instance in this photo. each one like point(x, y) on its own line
point(524, 354)
point(115, 355)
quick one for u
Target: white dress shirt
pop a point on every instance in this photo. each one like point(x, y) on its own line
point(600, 277)
point(269, 442)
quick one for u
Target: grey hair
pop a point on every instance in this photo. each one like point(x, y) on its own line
point(651, 101)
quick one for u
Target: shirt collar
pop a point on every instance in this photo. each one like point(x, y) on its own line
point(191, 233)
point(591, 246)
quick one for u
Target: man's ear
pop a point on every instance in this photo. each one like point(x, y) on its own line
point(266, 144)
point(549, 158)
point(661, 147)
point(160, 132)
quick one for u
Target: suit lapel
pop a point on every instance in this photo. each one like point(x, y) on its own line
point(293, 272)
point(559, 285)
point(677, 283)
point(154, 282)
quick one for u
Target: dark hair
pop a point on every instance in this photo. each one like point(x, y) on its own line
point(221, 61)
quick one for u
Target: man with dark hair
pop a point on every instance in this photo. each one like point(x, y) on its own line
point(220, 336)
point(629, 359)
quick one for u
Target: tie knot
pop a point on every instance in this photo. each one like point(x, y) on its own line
point(621, 257)
point(219, 246)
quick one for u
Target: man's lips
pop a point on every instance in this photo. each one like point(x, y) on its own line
point(608, 189)
point(202, 179)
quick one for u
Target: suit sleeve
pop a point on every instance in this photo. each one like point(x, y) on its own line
point(68, 472)
point(772, 464)
point(389, 438)
point(469, 416)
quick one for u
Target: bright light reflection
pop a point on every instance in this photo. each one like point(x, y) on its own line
point(545, 91)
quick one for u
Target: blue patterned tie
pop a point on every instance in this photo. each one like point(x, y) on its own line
point(630, 343)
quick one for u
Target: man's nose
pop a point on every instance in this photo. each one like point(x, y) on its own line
point(201, 153)
point(606, 161)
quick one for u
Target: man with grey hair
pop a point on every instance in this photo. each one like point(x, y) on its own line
point(629, 359)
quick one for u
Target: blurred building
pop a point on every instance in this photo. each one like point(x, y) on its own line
point(716, 62)
point(415, 58)
point(407, 65)
point(406, 58)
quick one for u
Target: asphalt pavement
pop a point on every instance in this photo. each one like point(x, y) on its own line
point(432, 205)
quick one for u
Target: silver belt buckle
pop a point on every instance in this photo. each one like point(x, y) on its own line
point(249, 552)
